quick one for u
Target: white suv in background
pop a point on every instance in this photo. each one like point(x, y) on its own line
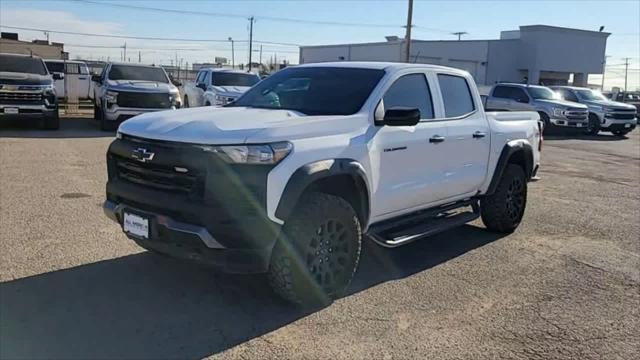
point(217, 87)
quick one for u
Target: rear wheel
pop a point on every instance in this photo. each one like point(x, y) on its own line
point(503, 210)
point(593, 126)
point(314, 260)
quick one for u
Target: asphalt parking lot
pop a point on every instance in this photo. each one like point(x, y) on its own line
point(565, 285)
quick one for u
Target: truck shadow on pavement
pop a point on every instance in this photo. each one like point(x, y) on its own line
point(69, 128)
point(149, 306)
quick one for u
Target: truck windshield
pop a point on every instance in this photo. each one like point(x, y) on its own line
point(542, 93)
point(234, 79)
point(22, 64)
point(126, 72)
point(314, 90)
point(590, 95)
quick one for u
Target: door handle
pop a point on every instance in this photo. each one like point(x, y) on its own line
point(436, 139)
point(479, 134)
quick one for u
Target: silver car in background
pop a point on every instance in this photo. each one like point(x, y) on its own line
point(553, 110)
point(604, 114)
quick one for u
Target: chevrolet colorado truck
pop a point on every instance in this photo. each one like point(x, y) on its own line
point(217, 87)
point(124, 90)
point(27, 90)
point(291, 178)
point(554, 111)
point(604, 114)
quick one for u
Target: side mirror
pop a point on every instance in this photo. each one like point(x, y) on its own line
point(202, 86)
point(96, 78)
point(57, 76)
point(401, 116)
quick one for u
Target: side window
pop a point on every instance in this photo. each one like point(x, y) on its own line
point(207, 79)
point(568, 95)
point(501, 92)
point(71, 68)
point(518, 94)
point(456, 95)
point(54, 66)
point(200, 78)
point(84, 69)
point(410, 91)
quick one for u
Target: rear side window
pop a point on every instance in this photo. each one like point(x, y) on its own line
point(509, 92)
point(456, 95)
point(410, 91)
point(53, 66)
point(501, 92)
point(72, 68)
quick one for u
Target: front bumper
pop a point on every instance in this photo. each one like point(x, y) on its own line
point(27, 110)
point(618, 124)
point(191, 242)
point(116, 113)
point(564, 122)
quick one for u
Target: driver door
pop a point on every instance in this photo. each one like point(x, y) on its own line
point(198, 89)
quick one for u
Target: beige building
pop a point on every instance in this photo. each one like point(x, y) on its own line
point(9, 43)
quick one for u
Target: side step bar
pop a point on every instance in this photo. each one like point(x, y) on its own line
point(403, 230)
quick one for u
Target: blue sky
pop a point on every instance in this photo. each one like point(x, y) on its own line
point(433, 20)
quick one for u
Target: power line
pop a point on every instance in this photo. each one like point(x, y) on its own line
point(240, 16)
point(141, 37)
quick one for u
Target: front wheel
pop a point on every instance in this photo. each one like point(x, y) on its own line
point(546, 122)
point(316, 257)
point(503, 210)
point(52, 122)
point(593, 126)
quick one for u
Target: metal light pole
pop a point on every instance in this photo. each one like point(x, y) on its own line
point(251, 19)
point(233, 56)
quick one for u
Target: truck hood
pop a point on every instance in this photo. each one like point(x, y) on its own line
point(236, 125)
point(562, 103)
point(233, 91)
point(14, 78)
point(142, 86)
point(609, 104)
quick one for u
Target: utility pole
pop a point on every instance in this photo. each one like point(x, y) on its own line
point(139, 56)
point(260, 54)
point(604, 70)
point(626, 72)
point(124, 57)
point(233, 61)
point(251, 20)
point(459, 33)
point(407, 36)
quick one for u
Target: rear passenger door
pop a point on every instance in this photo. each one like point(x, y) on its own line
point(411, 159)
point(468, 142)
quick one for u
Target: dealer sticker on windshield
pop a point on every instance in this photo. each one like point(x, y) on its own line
point(136, 225)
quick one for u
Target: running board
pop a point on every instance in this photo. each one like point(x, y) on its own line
point(409, 228)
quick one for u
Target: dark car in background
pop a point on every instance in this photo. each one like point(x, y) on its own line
point(27, 90)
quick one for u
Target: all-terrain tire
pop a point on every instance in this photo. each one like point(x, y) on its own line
point(106, 125)
point(317, 255)
point(503, 210)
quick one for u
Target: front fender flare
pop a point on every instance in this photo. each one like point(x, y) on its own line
point(310, 173)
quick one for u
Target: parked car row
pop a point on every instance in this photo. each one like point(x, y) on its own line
point(565, 106)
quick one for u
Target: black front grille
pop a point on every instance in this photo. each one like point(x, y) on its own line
point(20, 98)
point(157, 177)
point(143, 100)
point(623, 115)
point(576, 114)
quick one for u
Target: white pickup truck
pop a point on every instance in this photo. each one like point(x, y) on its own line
point(291, 177)
point(217, 87)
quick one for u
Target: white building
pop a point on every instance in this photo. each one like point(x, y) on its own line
point(534, 54)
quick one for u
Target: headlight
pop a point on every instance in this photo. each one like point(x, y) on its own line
point(558, 112)
point(175, 99)
point(111, 96)
point(220, 100)
point(267, 154)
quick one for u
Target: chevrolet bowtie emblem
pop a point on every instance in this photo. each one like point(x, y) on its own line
point(142, 155)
